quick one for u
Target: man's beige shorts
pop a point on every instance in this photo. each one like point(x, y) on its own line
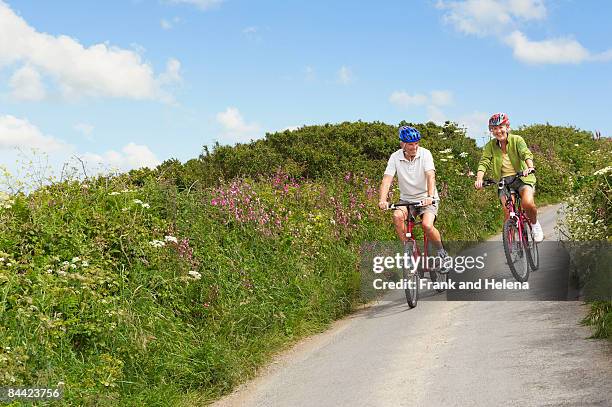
point(419, 210)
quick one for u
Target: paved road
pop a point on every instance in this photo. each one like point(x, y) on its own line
point(457, 353)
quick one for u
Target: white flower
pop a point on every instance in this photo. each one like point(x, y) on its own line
point(603, 171)
point(463, 154)
point(84, 263)
point(9, 264)
point(114, 193)
point(458, 131)
point(443, 159)
point(195, 275)
point(576, 145)
point(125, 209)
point(450, 156)
point(441, 133)
point(157, 243)
point(1, 258)
point(61, 273)
point(170, 239)
point(65, 263)
point(332, 221)
point(73, 266)
point(448, 150)
point(137, 201)
point(75, 259)
point(146, 205)
point(49, 271)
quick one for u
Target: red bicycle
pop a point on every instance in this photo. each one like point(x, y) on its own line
point(418, 265)
point(520, 247)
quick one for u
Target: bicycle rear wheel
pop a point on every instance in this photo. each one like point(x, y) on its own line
point(532, 247)
point(515, 251)
point(411, 275)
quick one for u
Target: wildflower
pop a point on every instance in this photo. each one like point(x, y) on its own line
point(450, 157)
point(84, 263)
point(470, 173)
point(576, 145)
point(448, 150)
point(137, 201)
point(73, 266)
point(75, 259)
point(463, 154)
point(603, 171)
point(195, 274)
point(441, 133)
point(61, 273)
point(443, 159)
point(458, 131)
point(9, 264)
point(171, 239)
point(157, 243)
point(145, 205)
point(114, 193)
point(65, 263)
point(49, 271)
point(206, 305)
point(1, 258)
point(125, 209)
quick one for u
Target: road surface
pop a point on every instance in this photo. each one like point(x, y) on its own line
point(456, 353)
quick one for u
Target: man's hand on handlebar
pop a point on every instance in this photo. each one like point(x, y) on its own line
point(383, 205)
point(478, 183)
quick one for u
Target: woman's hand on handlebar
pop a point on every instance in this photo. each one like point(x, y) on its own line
point(528, 171)
point(383, 205)
point(478, 184)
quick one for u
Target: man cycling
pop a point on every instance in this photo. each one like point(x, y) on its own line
point(506, 155)
point(416, 177)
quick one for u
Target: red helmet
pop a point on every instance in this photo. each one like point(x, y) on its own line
point(498, 119)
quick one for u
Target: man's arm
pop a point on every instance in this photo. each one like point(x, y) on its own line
point(431, 185)
point(385, 185)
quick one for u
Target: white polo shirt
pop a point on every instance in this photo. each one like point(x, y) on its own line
point(411, 174)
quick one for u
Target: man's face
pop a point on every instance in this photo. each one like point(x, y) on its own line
point(410, 149)
point(500, 132)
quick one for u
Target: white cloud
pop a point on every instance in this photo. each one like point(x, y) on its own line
point(476, 123)
point(437, 98)
point(165, 24)
point(310, 74)
point(21, 134)
point(484, 17)
point(26, 84)
point(201, 4)
point(554, 51)
point(345, 75)
point(99, 70)
point(169, 24)
point(236, 130)
point(132, 156)
point(441, 97)
point(85, 129)
point(498, 17)
point(434, 114)
point(403, 100)
point(172, 74)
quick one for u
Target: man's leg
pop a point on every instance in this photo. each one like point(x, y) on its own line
point(399, 220)
point(427, 222)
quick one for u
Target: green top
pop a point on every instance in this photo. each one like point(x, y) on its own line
point(517, 151)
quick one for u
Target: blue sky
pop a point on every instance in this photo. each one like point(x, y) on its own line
point(132, 83)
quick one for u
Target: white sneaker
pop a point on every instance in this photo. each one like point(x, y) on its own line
point(538, 234)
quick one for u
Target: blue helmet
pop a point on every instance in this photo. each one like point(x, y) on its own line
point(409, 134)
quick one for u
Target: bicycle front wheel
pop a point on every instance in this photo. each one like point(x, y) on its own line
point(411, 274)
point(516, 253)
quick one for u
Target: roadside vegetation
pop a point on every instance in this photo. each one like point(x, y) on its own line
point(173, 285)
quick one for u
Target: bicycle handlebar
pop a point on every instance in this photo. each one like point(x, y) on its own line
point(413, 203)
point(500, 184)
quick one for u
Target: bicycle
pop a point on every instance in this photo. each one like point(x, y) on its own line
point(520, 247)
point(410, 274)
